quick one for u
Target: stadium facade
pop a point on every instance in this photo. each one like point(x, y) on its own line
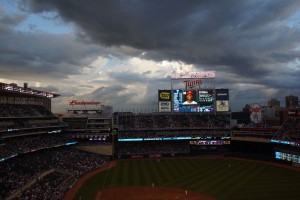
point(193, 119)
point(37, 161)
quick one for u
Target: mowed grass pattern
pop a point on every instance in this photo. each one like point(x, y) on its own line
point(219, 178)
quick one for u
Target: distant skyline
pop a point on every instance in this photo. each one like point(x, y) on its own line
point(121, 52)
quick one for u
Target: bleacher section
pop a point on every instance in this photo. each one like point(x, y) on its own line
point(35, 161)
point(52, 185)
point(21, 110)
point(175, 121)
point(27, 169)
point(20, 119)
point(18, 145)
point(162, 125)
point(289, 132)
point(170, 134)
point(153, 147)
point(254, 134)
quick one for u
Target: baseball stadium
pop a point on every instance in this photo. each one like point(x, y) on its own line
point(192, 147)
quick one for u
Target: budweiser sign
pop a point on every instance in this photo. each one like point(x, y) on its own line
point(192, 83)
point(75, 102)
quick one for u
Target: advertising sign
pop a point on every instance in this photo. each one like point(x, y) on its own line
point(194, 75)
point(164, 95)
point(222, 106)
point(192, 83)
point(164, 100)
point(294, 113)
point(287, 157)
point(222, 94)
point(164, 106)
point(207, 142)
point(256, 115)
point(206, 97)
point(75, 102)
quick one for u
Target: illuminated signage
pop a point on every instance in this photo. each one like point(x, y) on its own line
point(290, 157)
point(222, 94)
point(222, 106)
point(206, 97)
point(295, 113)
point(164, 100)
point(152, 139)
point(194, 75)
point(164, 106)
point(292, 112)
point(192, 83)
point(198, 101)
point(164, 95)
point(207, 142)
point(256, 115)
point(75, 102)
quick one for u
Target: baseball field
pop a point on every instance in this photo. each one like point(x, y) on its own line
point(215, 178)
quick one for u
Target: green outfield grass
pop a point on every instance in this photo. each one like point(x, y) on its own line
point(214, 177)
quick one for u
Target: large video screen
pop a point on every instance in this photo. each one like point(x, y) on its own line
point(193, 101)
point(206, 98)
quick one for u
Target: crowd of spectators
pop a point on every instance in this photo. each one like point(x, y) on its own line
point(289, 131)
point(215, 133)
point(23, 144)
point(26, 123)
point(288, 149)
point(175, 121)
point(152, 147)
point(94, 140)
point(22, 110)
point(263, 124)
point(48, 187)
point(253, 134)
point(17, 117)
point(20, 170)
point(32, 164)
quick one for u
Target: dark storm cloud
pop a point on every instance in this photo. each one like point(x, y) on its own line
point(111, 95)
point(243, 35)
point(121, 96)
point(127, 77)
point(86, 86)
point(102, 91)
point(136, 78)
point(40, 55)
point(246, 42)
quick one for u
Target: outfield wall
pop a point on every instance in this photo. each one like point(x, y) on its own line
point(101, 149)
point(253, 150)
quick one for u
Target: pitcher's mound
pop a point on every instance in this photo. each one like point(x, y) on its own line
point(149, 193)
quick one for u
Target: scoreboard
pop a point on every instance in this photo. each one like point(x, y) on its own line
point(194, 100)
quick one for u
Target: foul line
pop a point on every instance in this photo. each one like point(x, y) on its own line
point(105, 180)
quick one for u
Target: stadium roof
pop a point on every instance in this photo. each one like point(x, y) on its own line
point(15, 89)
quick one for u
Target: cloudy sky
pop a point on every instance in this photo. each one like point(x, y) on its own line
point(121, 52)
